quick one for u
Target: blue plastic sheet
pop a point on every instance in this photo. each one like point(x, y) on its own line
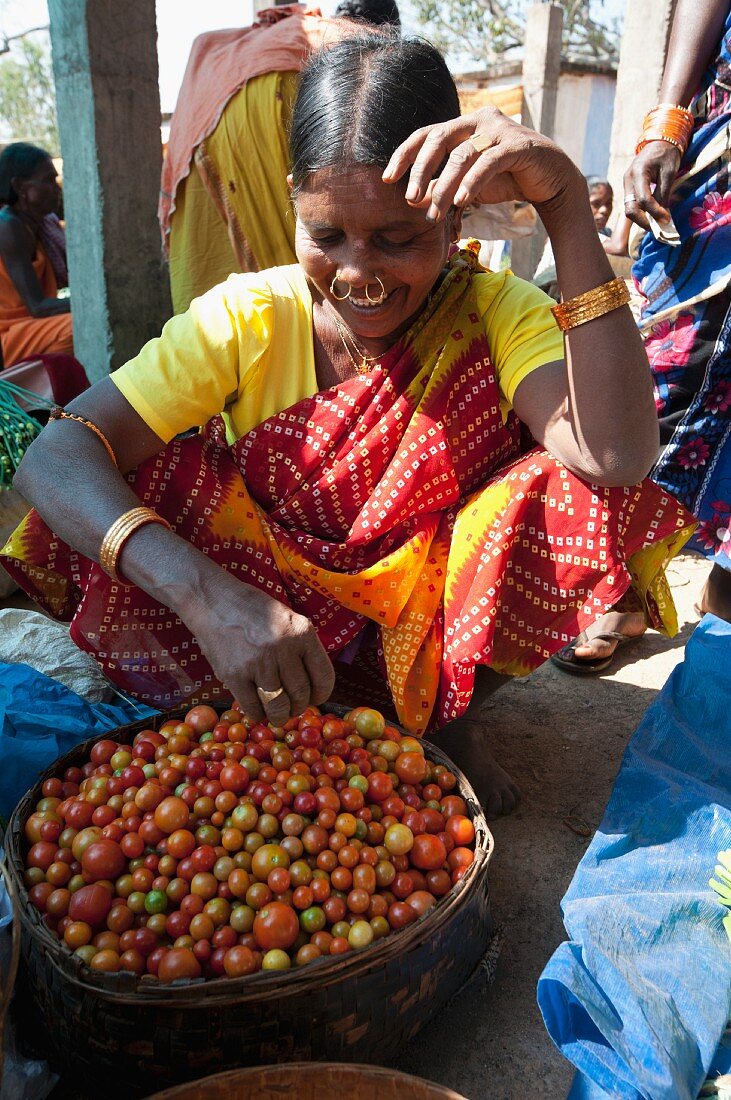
point(639, 997)
point(41, 720)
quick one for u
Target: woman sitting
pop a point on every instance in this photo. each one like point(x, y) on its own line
point(33, 319)
point(361, 495)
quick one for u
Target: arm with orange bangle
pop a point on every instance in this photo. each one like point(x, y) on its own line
point(667, 128)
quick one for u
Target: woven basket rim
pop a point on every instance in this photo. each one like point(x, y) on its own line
point(361, 1069)
point(128, 988)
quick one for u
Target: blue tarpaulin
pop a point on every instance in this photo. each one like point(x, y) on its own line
point(640, 995)
point(41, 720)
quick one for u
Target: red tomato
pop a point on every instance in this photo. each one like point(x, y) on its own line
point(179, 962)
point(460, 859)
point(276, 926)
point(201, 719)
point(421, 901)
point(239, 961)
point(411, 767)
point(171, 814)
point(438, 882)
point(453, 804)
point(42, 855)
point(234, 777)
point(79, 814)
point(461, 830)
point(103, 751)
point(90, 904)
point(428, 853)
point(102, 860)
point(400, 913)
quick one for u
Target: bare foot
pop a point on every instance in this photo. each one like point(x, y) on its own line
point(464, 741)
point(630, 623)
point(716, 594)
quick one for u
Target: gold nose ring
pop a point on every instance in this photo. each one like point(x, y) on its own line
point(341, 297)
point(381, 297)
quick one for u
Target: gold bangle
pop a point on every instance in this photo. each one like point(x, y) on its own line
point(117, 535)
point(57, 413)
point(590, 305)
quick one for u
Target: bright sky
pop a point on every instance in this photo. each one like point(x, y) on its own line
point(179, 21)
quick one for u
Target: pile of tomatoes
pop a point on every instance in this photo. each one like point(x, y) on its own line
point(217, 847)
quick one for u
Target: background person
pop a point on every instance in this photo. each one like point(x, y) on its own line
point(601, 199)
point(33, 319)
point(686, 314)
point(224, 201)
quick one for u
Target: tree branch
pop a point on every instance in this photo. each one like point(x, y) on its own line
point(6, 39)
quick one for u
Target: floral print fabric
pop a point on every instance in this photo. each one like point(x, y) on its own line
point(686, 320)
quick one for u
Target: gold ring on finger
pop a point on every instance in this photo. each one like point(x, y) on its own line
point(268, 697)
point(481, 142)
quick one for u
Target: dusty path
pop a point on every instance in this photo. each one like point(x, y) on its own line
point(562, 737)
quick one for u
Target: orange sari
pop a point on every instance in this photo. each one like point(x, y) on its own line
point(23, 336)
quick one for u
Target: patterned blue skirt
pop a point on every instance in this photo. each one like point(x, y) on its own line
point(686, 320)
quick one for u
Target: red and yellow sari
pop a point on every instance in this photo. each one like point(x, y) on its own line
point(397, 511)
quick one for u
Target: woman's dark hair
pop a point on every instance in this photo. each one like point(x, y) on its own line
point(18, 160)
point(376, 12)
point(593, 183)
point(358, 100)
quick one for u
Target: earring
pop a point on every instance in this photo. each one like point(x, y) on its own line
point(340, 297)
point(381, 297)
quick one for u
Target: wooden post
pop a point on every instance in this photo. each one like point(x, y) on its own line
point(541, 72)
point(106, 72)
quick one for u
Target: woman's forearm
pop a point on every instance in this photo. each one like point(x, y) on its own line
point(697, 27)
point(164, 565)
point(250, 639)
point(611, 402)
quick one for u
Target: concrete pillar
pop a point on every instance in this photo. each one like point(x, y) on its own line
point(641, 63)
point(541, 72)
point(106, 73)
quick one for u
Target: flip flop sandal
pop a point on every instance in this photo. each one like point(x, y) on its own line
point(567, 660)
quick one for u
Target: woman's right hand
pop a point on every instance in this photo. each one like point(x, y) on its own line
point(253, 641)
point(656, 164)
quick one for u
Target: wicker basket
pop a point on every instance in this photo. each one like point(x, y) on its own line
point(136, 1034)
point(305, 1081)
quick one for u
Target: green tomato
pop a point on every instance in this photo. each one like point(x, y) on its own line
point(149, 771)
point(245, 816)
point(360, 783)
point(313, 919)
point(242, 918)
point(156, 901)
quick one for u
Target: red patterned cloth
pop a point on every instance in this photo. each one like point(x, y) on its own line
point(396, 506)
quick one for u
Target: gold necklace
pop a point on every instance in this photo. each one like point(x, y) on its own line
point(367, 362)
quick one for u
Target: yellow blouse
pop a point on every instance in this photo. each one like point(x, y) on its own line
point(245, 349)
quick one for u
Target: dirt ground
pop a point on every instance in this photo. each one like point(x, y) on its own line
point(562, 738)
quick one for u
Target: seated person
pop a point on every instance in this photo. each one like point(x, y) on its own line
point(361, 512)
point(33, 319)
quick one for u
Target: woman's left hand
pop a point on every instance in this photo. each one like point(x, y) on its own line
point(489, 159)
